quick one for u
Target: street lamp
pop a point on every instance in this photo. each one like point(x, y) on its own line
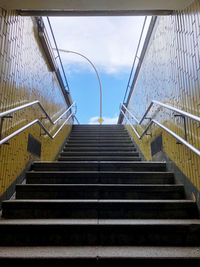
point(100, 87)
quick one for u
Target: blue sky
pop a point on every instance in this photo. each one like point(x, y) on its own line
point(85, 91)
point(110, 43)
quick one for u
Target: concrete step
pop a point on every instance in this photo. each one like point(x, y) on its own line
point(99, 191)
point(99, 148)
point(90, 129)
point(95, 126)
point(99, 209)
point(99, 153)
point(93, 129)
point(99, 135)
point(99, 144)
point(95, 206)
point(99, 158)
point(100, 233)
point(101, 131)
point(99, 141)
point(108, 138)
point(100, 255)
point(99, 166)
point(101, 177)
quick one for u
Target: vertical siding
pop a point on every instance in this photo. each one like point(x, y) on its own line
point(170, 73)
point(25, 76)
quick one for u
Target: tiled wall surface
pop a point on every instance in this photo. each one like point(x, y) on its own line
point(25, 76)
point(170, 73)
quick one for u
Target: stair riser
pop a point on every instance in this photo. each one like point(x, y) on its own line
point(115, 127)
point(99, 235)
point(99, 136)
point(98, 192)
point(100, 149)
point(85, 144)
point(108, 129)
point(98, 126)
point(74, 167)
point(98, 261)
point(97, 143)
point(99, 133)
point(101, 158)
point(97, 195)
point(106, 153)
point(89, 130)
point(102, 178)
point(99, 130)
point(98, 210)
point(101, 166)
point(111, 141)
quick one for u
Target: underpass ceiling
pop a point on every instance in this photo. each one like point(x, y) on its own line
point(95, 5)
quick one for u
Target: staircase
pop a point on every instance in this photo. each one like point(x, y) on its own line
point(99, 203)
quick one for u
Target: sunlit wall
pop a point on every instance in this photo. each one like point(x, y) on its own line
point(25, 76)
point(170, 73)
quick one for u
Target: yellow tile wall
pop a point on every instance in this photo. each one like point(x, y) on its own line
point(170, 73)
point(25, 76)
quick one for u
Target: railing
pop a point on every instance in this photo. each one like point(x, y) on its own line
point(124, 110)
point(143, 43)
point(46, 42)
point(139, 54)
point(8, 114)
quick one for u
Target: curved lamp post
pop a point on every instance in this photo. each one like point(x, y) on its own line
point(73, 52)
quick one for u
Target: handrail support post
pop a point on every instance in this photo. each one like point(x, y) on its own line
point(42, 118)
point(150, 131)
point(184, 126)
point(1, 126)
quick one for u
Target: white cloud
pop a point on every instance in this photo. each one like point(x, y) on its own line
point(106, 120)
point(109, 42)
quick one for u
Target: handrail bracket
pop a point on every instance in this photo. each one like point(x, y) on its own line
point(184, 126)
point(1, 127)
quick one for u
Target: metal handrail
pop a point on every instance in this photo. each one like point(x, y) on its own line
point(136, 68)
point(58, 53)
point(183, 113)
point(136, 57)
point(6, 114)
point(13, 110)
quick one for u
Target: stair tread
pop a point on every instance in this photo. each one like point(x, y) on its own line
point(93, 252)
point(105, 185)
point(145, 163)
point(99, 201)
point(99, 158)
point(96, 172)
point(100, 140)
point(100, 222)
